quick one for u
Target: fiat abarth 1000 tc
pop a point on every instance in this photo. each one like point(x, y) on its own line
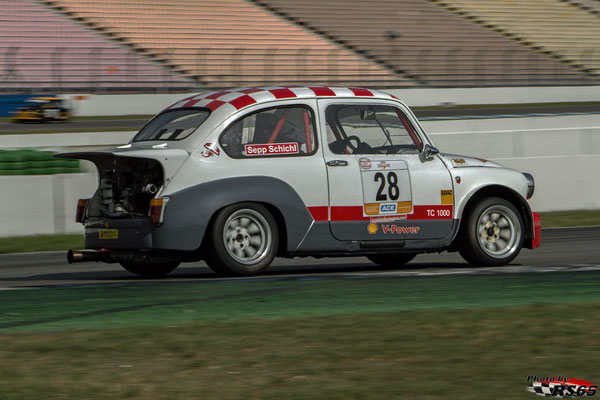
point(238, 177)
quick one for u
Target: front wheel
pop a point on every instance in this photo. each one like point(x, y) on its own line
point(150, 270)
point(493, 233)
point(244, 239)
point(392, 260)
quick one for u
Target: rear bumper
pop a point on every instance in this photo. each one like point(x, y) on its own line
point(135, 233)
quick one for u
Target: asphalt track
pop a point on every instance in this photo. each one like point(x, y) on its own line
point(136, 124)
point(563, 249)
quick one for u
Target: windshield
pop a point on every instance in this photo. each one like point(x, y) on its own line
point(172, 125)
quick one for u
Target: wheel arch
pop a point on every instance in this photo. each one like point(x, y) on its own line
point(190, 212)
point(507, 194)
point(275, 212)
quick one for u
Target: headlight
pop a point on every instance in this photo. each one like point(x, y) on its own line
point(530, 184)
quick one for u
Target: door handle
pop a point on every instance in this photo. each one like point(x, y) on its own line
point(337, 163)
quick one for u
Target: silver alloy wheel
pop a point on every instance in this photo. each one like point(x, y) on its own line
point(498, 231)
point(247, 236)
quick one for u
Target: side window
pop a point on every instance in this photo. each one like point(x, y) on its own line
point(369, 129)
point(281, 131)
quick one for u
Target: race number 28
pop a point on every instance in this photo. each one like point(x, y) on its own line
point(393, 191)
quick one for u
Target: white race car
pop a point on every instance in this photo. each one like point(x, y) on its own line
point(238, 177)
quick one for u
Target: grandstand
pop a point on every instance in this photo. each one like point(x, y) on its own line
point(427, 42)
point(161, 45)
point(563, 29)
point(40, 49)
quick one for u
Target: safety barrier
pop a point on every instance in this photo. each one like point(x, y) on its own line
point(35, 162)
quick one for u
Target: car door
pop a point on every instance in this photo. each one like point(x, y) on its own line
point(380, 185)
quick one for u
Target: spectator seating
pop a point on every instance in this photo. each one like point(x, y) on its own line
point(555, 27)
point(40, 49)
point(426, 42)
point(229, 43)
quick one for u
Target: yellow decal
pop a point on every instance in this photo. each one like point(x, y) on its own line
point(372, 208)
point(447, 197)
point(397, 207)
point(108, 233)
point(372, 228)
point(404, 207)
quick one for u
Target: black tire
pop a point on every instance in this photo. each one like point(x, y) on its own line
point(243, 240)
point(392, 260)
point(150, 270)
point(492, 233)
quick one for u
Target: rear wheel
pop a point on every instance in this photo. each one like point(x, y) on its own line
point(244, 239)
point(493, 234)
point(392, 260)
point(150, 270)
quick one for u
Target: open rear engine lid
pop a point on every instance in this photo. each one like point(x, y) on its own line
point(170, 159)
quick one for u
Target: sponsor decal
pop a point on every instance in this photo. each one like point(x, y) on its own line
point(271, 149)
point(364, 163)
point(387, 208)
point(457, 179)
point(210, 149)
point(560, 386)
point(398, 207)
point(383, 165)
point(401, 230)
point(388, 219)
point(372, 228)
point(447, 196)
point(458, 160)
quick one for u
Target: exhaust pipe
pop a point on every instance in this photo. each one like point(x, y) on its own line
point(87, 256)
point(112, 257)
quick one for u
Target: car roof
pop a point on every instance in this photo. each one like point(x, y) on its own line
point(236, 99)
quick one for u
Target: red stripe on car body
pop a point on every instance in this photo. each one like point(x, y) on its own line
point(282, 93)
point(322, 91)
point(217, 94)
point(355, 213)
point(319, 213)
point(250, 90)
point(361, 92)
point(213, 105)
point(242, 101)
point(190, 103)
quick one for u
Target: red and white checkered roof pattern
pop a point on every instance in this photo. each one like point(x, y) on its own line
point(236, 99)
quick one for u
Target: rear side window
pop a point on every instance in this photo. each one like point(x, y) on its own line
point(282, 131)
point(173, 125)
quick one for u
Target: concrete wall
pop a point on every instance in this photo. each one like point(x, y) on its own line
point(147, 104)
point(563, 154)
point(42, 204)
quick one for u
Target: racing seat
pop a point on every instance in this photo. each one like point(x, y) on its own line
point(265, 124)
point(338, 146)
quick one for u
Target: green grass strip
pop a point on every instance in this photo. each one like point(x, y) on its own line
point(468, 337)
point(21, 244)
point(123, 305)
point(558, 219)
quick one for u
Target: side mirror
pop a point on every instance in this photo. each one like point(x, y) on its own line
point(429, 151)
